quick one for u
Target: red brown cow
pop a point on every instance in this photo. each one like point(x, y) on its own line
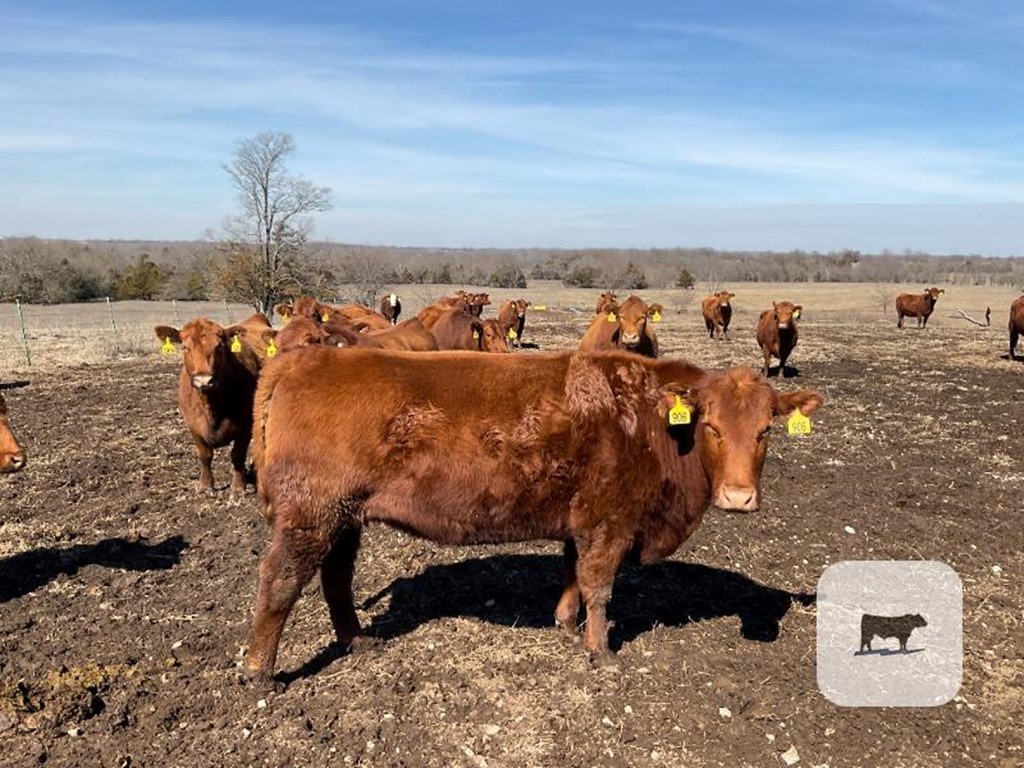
point(512, 319)
point(459, 330)
point(919, 305)
point(391, 308)
point(777, 333)
point(411, 336)
point(304, 306)
point(717, 310)
point(463, 449)
point(1016, 325)
point(431, 313)
point(215, 388)
point(12, 455)
point(628, 327)
point(606, 303)
point(299, 332)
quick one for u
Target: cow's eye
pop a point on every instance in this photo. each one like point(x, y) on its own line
point(713, 432)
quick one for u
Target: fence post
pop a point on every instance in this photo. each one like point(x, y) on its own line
point(177, 320)
point(113, 325)
point(24, 333)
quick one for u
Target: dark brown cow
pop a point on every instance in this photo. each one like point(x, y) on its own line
point(457, 329)
point(462, 449)
point(477, 302)
point(12, 455)
point(777, 333)
point(1016, 325)
point(628, 327)
point(512, 319)
point(919, 305)
point(717, 311)
point(391, 308)
point(216, 386)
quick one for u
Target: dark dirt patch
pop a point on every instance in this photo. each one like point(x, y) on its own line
point(125, 596)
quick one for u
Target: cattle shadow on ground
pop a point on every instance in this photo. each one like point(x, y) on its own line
point(789, 372)
point(522, 590)
point(28, 571)
point(888, 652)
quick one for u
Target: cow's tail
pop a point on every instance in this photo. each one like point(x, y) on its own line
point(268, 381)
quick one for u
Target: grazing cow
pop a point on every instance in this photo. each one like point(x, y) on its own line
point(606, 303)
point(473, 449)
point(717, 311)
point(885, 627)
point(777, 332)
point(391, 308)
point(12, 455)
point(218, 376)
point(512, 319)
point(458, 330)
point(627, 327)
point(1016, 324)
point(919, 305)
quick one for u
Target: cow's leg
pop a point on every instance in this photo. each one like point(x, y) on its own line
point(899, 319)
point(205, 455)
point(782, 363)
point(286, 568)
point(767, 362)
point(336, 579)
point(595, 571)
point(710, 329)
point(239, 448)
point(1013, 342)
point(725, 332)
point(568, 610)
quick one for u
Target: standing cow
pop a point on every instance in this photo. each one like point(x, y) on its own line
point(12, 455)
point(512, 319)
point(919, 305)
point(216, 385)
point(627, 326)
point(777, 333)
point(391, 308)
point(1016, 325)
point(717, 311)
point(593, 450)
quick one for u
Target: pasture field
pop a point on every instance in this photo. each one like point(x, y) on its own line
point(126, 596)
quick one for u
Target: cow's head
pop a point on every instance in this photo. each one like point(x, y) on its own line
point(724, 297)
point(606, 303)
point(491, 337)
point(12, 455)
point(785, 313)
point(520, 306)
point(918, 620)
point(300, 332)
point(478, 301)
point(733, 412)
point(932, 294)
point(393, 299)
point(305, 306)
point(633, 315)
point(206, 346)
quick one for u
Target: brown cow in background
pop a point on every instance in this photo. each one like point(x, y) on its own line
point(473, 449)
point(391, 308)
point(627, 327)
point(777, 333)
point(512, 319)
point(457, 329)
point(919, 305)
point(1016, 324)
point(216, 387)
point(606, 303)
point(12, 455)
point(717, 311)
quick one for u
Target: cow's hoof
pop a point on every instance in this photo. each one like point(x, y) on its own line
point(604, 661)
point(261, 682)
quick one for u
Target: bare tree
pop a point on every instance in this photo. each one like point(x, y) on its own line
point(265, 244)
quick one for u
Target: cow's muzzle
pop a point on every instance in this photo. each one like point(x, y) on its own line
point(630, 339)
point(12, 462)
point(202, 381)
point(736, 498)
point(783, 326)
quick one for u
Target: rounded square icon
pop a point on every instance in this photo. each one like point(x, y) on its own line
point(890, 633)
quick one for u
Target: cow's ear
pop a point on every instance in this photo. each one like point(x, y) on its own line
point(284, 310)
point(942, 290)
point(804, 400)
point(673, 395)
point(655, 309)
point(165, 332)
point(267, 336)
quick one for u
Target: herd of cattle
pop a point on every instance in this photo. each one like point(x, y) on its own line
point(609, 449)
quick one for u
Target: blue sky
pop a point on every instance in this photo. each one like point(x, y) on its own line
point(867, 124)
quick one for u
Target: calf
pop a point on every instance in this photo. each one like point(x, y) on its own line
point(627, 327)
point(391, 308)
point(512, 319)
point(919, 305)
point(885, 627)
point(777, 332)
point(12, 455)
point(1016, 325)
point(472, 449)
point(717, 311)
point(216, 384)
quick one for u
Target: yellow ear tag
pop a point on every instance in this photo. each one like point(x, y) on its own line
point(656, 317)
point(236, 344)
point(798, 424)
point(679, 413)
point(167, 348)
point(611, 317)
point(796, 314)
point(476, 334)
point(286, 318)
point(512, 334)
point(271, 348)
point(325, 316)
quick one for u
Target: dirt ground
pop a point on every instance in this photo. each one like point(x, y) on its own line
point(125, 596)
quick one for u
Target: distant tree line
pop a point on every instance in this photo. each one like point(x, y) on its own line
point(42, 271)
